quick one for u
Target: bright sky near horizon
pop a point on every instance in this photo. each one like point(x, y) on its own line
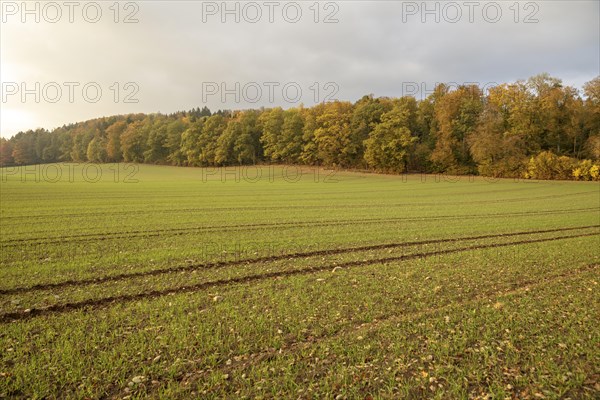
point(63, 62)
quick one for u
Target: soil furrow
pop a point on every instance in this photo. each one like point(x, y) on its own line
point(292, 346)
point(288, 256)
point(89, 237)
point(98, 303)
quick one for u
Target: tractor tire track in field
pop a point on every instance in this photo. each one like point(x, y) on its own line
point(107, 301)
point(291, 346)
point(288, 207)
point(92, 237)
point(288, 256)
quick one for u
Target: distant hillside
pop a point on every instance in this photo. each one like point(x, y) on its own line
point(536, 128)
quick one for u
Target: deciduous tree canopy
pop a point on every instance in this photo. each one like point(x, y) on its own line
point(537, 128)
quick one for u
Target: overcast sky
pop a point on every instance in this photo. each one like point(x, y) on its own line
point(181, 55)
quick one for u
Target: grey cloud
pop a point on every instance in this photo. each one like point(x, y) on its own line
point(170, 52)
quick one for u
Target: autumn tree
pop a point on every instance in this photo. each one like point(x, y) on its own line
point(211, 132)
point(309, 154)
point(82, 136)
point(555, 114)
point(332, 136)
point(133, 141)
point(247, 148)
point(291, 135)
point(173, 142)
point(457, 114)
point(96, 151)
point(26, 148)
point(224, 152)
point(6, 150)
point(113, 145)
point(190, 143)
point(271, 123)
point(591, 118)
point(366, 115)
point(387, 146)
point(156, 150)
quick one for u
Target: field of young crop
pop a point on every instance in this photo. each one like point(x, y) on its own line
point(126, 281)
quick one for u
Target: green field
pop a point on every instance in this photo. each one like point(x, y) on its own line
point(278, 282)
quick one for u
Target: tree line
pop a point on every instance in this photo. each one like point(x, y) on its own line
point(538, 128)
